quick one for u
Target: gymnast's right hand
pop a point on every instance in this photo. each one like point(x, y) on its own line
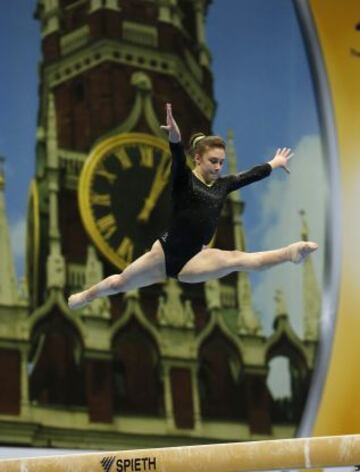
point(171, 126)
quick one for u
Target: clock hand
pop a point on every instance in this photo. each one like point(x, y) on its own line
point(126, 250)
point(158, 185)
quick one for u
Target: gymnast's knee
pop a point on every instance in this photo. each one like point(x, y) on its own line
point(117, 283)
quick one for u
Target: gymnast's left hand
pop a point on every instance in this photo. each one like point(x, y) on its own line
point(171, 126)
point(281, 159)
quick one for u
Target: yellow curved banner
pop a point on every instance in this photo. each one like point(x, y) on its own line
point(338, 29)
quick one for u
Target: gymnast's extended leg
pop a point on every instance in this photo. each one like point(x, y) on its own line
point(148, 269)
point(216, 263)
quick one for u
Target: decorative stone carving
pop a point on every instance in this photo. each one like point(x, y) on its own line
point(213, 294)
point(280, 308)
point(93, 274)
point(55, 269)
point(172, 311)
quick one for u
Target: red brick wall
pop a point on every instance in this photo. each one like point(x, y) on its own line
point(10, 374)
point(57, 378)
point(137, 378)
point(105, 24)
point(218, 387)
point(258, 405)
point(99, 384)
point(181, 389)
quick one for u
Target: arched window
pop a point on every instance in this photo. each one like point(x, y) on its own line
point(218, 378)
point(288, 382)
point(137, 385)
point(56, 363)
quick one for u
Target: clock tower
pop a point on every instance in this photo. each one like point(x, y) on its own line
point(109, 67)
point(100, 197)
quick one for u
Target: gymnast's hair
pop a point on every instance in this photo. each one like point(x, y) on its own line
point(199, 143)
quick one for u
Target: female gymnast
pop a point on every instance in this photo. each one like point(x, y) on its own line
point(198, 197)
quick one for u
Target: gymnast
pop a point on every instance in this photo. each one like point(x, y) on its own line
point(197, 199)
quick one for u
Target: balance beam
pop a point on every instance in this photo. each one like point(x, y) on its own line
point(303, 453)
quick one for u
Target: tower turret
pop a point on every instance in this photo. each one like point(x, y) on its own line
point(8, 283)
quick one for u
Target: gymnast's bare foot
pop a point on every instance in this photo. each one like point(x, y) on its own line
point(78, 300)
point(298, 251)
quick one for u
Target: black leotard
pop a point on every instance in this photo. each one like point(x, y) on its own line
point(197, 208)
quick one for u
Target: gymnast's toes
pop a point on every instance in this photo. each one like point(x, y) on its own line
point(298, 251)
point(77, 300)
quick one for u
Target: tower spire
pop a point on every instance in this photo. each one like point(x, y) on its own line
point(311, 291)
point(55, 262)
point(248, 322)
point(8, 290)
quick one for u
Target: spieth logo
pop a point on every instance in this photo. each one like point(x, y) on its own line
point(137, 464)
point(107, 462)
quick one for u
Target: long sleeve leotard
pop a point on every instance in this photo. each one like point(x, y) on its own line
point(197, 207)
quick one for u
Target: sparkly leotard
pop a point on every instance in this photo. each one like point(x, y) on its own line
point(197, 208)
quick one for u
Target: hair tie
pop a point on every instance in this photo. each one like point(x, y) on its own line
point(197, 139)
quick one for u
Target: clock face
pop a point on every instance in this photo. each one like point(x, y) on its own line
point(124, 195)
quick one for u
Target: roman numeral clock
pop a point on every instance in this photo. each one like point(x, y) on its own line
point(124, 195)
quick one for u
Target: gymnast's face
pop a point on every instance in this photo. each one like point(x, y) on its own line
point(210, 163)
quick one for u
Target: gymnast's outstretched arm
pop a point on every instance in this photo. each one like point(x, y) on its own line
point(280, 160)
point(171, 126)
point(179, 168)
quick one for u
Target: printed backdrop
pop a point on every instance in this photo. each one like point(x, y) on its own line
point(338, 26)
